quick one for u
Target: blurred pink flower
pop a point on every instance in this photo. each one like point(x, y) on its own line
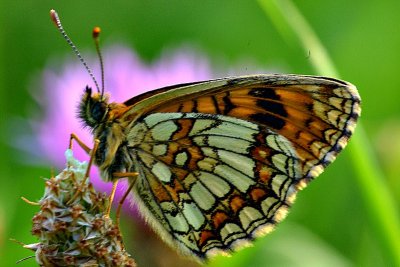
point(125, 76)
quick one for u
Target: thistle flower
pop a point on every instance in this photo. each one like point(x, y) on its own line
point(72, 225)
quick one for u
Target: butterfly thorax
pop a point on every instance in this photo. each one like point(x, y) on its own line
point(104, 121)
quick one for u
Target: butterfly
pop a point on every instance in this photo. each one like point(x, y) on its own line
point(215, 164)
point(219, 162)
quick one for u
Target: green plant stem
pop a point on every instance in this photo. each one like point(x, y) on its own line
point(379, 201)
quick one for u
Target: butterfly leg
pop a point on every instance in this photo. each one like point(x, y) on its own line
point(92, 153)
point(80, 143)
point(132, 176)
point(122, 200)
point(111, 198)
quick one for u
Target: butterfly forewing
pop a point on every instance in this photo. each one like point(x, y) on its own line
point(212, 180)
point(316, 114)
point(221, 161)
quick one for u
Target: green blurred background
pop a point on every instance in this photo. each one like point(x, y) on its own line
point(341, 219)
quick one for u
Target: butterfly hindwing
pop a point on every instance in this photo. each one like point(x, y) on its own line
point(213, 181)
point(221, 161)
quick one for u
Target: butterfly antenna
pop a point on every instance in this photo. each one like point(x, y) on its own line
point(96, 34)
point(57, 22)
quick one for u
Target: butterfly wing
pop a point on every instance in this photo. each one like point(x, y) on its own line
point(221, 161)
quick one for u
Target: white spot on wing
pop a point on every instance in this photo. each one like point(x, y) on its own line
point(237, 179)
point(164, 130)
point(155, 118)
point(237, 161)
point(193, 215)
point(232, 130)
point(159, 149)
point(214, 183)
point(202, 196)
point(181, 158)
point(248, 215)
point(229, 229)
point(177, 222)
point(200, 125)
point(162, 172)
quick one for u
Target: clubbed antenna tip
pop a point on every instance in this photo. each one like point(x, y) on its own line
point(96, 36)
point(96, 32)
point(56, 20)
point(54, 17)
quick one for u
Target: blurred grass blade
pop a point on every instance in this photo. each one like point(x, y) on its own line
point(378, 199)
point(293, 27)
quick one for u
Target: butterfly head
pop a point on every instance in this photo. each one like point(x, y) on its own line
point(93, 108)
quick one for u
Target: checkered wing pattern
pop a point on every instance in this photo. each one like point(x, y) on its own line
point(220, 162)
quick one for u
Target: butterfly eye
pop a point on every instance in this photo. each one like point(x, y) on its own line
point(92, 110)
point(98, 111)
